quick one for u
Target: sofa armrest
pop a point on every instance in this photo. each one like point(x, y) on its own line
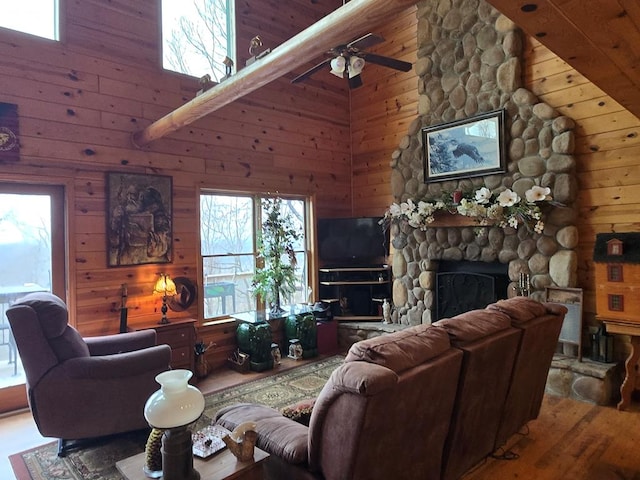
point(123, 342)
point(121, 365)
point(278, 435)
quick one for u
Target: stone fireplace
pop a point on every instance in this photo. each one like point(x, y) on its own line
point(469, 62)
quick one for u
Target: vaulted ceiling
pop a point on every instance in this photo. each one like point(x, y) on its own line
point(599, 38)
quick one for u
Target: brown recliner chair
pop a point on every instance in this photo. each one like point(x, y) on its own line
point(80, 388)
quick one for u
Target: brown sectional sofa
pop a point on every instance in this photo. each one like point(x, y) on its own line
point(427, 402)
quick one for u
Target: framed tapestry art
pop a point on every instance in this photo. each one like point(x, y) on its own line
point(464, 148)
point(139, 219)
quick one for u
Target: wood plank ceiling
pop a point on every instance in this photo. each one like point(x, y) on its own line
point(355, 16)
point(599, 38)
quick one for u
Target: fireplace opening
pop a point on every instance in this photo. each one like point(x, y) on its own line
point(463, 285)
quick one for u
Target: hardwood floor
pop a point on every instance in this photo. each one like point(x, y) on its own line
point(570, 440)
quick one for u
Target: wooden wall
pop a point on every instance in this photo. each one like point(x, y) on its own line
point(80, 100)
point(381, 111)
point(607, 153)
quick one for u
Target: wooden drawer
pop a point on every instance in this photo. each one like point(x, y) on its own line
point(181, 356)
point(175, 337)
point(180, 336)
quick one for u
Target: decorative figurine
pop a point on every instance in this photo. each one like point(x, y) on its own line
point(275, 353)
point(386, 311)
point(295, 349)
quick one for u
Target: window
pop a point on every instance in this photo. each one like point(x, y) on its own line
point(229, 226)
point(37, 17)
point(616, 303)
point(32, 253)
point(197, 35)
point(614, 273)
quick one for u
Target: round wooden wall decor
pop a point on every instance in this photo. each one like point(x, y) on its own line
point(185, 297)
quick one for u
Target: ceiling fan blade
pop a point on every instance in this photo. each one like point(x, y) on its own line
point(365, 41)
point(386, 61)
point(311, 71)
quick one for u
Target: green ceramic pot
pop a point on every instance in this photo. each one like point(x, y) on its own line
point(255, 340)
point(303, 327)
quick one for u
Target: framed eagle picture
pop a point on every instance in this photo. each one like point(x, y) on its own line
point(464, 148)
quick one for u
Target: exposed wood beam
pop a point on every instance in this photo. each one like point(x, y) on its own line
point(343, 24)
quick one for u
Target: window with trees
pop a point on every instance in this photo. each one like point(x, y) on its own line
point(36, 17)
point(229, 230)
point(32, 253)
point(197, 36)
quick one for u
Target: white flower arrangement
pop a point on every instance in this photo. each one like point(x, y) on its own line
point(506, 209)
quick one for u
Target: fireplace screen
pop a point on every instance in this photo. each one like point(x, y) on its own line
point(459, 292)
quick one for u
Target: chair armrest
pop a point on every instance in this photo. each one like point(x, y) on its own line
point(119, 365)
point(123, 342)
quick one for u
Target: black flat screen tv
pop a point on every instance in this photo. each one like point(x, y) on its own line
point(352, 241)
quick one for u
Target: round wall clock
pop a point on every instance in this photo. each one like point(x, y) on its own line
point(8, 139)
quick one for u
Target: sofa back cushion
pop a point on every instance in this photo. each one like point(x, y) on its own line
point(474, 325)
point(401, 350)
point(519, 309)
point(391, 390)
point(540, 325)
point(489, 344)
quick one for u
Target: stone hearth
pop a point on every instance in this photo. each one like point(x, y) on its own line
point(469, 63)
point(587, 381)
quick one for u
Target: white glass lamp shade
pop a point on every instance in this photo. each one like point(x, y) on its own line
point(176, 403)
point(338, 66)
point(356, 64)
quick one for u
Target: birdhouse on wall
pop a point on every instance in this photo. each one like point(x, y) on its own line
point(617, 268)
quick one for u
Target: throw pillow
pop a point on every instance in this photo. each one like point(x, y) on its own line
point(300, 411)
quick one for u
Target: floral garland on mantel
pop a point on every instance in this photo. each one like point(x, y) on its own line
point(505, 209)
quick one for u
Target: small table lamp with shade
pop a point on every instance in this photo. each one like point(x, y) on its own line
point(167, 288)
point(173, 408)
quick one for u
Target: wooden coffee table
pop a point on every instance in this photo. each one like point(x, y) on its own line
point(219, 466)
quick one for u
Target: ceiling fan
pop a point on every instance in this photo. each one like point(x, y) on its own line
point(349, 59)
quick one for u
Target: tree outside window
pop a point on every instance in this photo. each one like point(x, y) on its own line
point(197, 35)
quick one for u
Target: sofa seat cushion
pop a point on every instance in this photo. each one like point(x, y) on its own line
point(401, 350)
point(474, 325)
point(277, 434)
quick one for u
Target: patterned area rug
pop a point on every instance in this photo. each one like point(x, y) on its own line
point(97, 462)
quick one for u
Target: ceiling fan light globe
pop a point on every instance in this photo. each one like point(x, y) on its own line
point(356, 64)
point(338, 64)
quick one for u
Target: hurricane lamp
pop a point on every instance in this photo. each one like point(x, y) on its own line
point(173, 408)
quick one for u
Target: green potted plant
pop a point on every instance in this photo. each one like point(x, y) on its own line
point(275, 274)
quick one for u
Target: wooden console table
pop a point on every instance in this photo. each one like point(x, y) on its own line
point(220, 466)
point(180, 335)
point(633, 330)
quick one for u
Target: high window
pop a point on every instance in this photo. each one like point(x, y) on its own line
point(197, 36)
point(37, 17)
point(229, 230)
